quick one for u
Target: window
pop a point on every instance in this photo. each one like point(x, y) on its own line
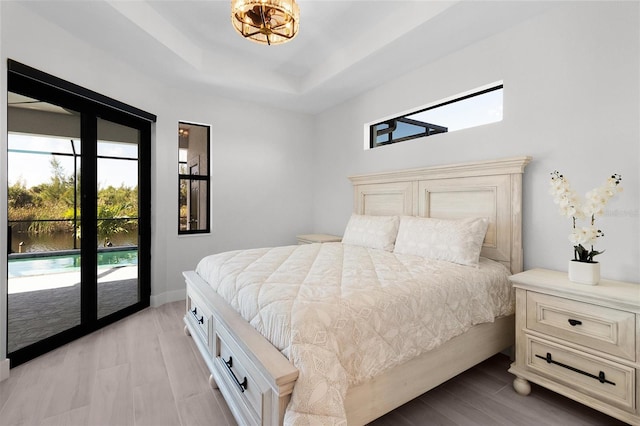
point(193, 176)
point(475, 108)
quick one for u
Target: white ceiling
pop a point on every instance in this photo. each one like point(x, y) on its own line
point(343, 48)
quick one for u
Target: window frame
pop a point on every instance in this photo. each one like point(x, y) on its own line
point(196, 178)
point(371, 133)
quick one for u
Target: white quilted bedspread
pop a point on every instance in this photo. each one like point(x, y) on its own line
point(342, 314)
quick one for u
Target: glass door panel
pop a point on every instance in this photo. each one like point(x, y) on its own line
point(117, 217)
point(44, 274)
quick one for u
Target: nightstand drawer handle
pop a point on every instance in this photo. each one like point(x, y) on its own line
point(600, 377)
point(575, 322)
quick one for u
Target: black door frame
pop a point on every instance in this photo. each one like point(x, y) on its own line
point(36, 84)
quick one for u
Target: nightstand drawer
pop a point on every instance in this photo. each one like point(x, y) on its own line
point(600, 379)
point(605, 329)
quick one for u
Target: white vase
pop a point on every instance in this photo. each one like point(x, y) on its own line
point(584, 272)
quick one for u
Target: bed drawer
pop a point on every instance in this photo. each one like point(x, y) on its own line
point(240, 379)
point(605, 329)
point(601, 379)
point(200, 319)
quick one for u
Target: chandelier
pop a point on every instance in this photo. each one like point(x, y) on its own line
point(266, 21)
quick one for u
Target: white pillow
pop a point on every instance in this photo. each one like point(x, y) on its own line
point(458, 241)
point(378, 232)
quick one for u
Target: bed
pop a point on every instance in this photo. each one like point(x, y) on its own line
point(255, 375)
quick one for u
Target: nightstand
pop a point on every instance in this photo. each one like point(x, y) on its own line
point(580, 341)
point(317, 238)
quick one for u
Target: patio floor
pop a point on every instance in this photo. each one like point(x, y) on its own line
point(41, 306)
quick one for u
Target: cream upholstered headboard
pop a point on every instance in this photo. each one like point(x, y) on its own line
point(490, 189)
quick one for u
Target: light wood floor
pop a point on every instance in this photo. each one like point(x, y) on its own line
point(144, 371)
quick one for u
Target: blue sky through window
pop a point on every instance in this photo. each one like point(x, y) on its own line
point(470, 112)
point(29, 160)
point(485, 106)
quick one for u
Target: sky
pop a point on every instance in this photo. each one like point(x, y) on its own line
point(471, 112)
point(34, 169)
point(461, 114)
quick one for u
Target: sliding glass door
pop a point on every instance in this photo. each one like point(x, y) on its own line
point(117, 217)
point(43, 170)
point(78, 215)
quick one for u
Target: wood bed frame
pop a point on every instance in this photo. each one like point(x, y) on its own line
point(489, 188)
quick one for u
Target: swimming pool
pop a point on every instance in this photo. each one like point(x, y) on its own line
point(70, 262)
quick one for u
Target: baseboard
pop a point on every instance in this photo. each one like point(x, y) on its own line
point(167, 297)
point(4, 370)
point(510, 352)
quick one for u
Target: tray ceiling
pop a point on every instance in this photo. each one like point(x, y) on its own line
point(343, 48)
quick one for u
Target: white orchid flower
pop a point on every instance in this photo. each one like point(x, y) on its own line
point(571, 206)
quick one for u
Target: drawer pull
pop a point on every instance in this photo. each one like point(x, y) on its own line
point(243, 384)
point(195, 315)
point(600, 377)
point(575, 322)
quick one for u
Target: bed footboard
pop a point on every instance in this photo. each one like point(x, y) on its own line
point(401, 384)
point(255, 379)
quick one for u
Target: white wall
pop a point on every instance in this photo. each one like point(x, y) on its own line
point(260, 182)
point(571, 100)
point(260, 179)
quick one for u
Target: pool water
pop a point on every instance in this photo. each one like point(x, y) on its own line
point(26, 267)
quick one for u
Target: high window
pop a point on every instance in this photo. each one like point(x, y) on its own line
point(474, 108)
